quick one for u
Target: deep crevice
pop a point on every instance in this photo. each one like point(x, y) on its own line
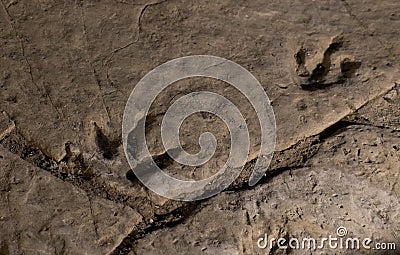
point(178, 216)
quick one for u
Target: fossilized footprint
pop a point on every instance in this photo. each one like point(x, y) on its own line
point(320, 66)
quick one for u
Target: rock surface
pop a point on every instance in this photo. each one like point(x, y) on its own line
point(353, 181)
point(41, 214)
point(330, 69)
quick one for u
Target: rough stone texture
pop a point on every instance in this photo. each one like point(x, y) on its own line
point(383, 111)
point(41, 214)
point(6, 125)
point(68, 67)
point(353, 181)
point(80, 70)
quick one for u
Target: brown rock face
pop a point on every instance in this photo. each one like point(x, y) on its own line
point(41, 214)
point(67, 68)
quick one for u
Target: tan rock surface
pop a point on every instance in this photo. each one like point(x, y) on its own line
point(67, 69)
point(41, 214)
point(353, 181)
